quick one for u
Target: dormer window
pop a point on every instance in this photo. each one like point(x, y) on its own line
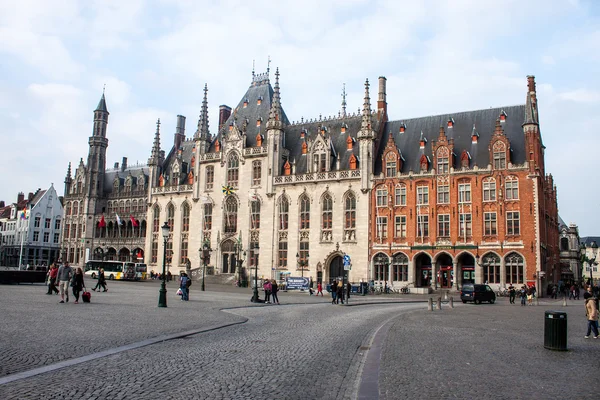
point(353, 161)
point(230, 126)
point(161, 180)
point(259, 140)
point(245, 103)
point(259, 100)
point(190, 178)
point(443, 160)
point(503, 116)
point(193, 161)
point(287, 168)
point(348, 143)
point(390, 165)
point(320, 162)
point(304, 147)
point(217, 145)
point(424, 163)
point(323, 130)
point(450, 122)
point(422, 141)
point(499, 155)
point(258, 121)
point(464, 159)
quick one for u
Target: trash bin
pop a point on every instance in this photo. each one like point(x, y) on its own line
point(555, 330)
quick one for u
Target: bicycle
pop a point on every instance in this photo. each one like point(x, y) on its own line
point(503, 292)
point(405, 290)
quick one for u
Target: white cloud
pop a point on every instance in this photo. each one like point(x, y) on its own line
point(581, 96)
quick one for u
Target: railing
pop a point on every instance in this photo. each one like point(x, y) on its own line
point(318, 177)
point(172, 189)
point(210, 156)
point(255, 151)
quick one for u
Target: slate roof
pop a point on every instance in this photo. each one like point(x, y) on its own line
point(587, 240)
point(484, 122)
point(186, 147)
point(38, 195)
point(109, 176)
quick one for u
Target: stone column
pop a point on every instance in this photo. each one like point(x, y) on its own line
point(478, 272)
point(502, 272)
point(433, 275)
point(457, 275)
point(411, 274)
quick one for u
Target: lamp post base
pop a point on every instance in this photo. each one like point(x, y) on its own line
point(162, 295)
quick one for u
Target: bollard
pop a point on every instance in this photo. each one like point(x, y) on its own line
point(445, 294)
point(451, 302)
point(565, 301)
point(439, 303)
point(430, 304)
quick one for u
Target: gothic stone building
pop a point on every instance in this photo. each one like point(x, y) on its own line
point(464, 197)
point(95, 196)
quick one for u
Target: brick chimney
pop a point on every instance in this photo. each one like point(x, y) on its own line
point(20, 197)
point(224, 113)
point(2, 203)
point(179, 131)
point(30, 196)
point(382, 98)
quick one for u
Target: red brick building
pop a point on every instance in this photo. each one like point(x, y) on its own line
point(464, 197)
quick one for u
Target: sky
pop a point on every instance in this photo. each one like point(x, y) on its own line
point(155, 57)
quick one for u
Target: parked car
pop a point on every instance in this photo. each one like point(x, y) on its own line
point(477, 293)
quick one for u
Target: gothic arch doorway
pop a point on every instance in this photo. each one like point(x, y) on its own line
point(336, 268)
point(228, 257)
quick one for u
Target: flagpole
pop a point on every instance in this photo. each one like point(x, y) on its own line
point(21, 252)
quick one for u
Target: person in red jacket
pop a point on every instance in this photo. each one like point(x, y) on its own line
point(52, 273)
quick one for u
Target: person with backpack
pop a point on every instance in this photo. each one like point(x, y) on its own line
point(267, 288)
point(184, 284)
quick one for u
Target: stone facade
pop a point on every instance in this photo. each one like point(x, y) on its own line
point(570, 253)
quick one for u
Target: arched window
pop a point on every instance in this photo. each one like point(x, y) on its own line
point(499, 150)
point(110, 207)
point(564, 244)
point(255, 214)
point(171, 216)
point(443, 160)
point(156, 219)
point(513, 263)
point(256, 172)
point(491, 268)
point(210, 177)
point(231, 208)
point(185, 217)
point(400, 267)
point(127, 207)
point(381, 263)
point(75, 208)
point(350, 217)
point(304, 212)
point(233, 170)
point(284, 209)
point(68, 208)
point(327, 218)
point(134, 206)
point(207, 223)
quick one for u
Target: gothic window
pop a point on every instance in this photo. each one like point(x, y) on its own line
point(489, 189)
point(171, 217)
point(490, 224)
point(110, 208)
point(127, 207)
point(185, 217)
point(255, 214)
point(327, 217)
point(400, 226)
point(443, 162)
point(207, 223)
point(303, 253)
point(465, 228)
point(320, 162)
point(400, 267)
point(350, 217)
point(443, 194)
point(304, 213)
point(512, 223)
point(210, 177)
point(513, 263)
point(128, 184)
point(381, 263)
point(256, 172)
point(282, 254)
point(400, 195)
point(75, 208)
point(382, 195)
point(499, 150)
point(155, 219)
point(390, 165)
point(68, 209)
point(115, 186)
point(80, 187)
point(464, 192)
point(122, 207)
point(490, 264)
point(233, 170)
point(231, 210)
point(284, 209)
point(169, 252)
point(512, 188)
point(564, 244)
point(184, 250)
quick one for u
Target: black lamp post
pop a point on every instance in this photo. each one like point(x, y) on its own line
point(162, 293)
point(205, 256)
point(255, 291)
point(302, 263)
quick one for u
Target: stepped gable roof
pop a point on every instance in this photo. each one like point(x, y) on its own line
point(293, 140)
point(109, 176)
point(258, 89)
point(484, 122)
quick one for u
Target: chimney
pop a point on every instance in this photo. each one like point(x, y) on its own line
point(531, 83)
point(124, 164)
point(116, 165)
point(224, 113)
point(2, 203)
point(30, 196)
point(20, 197)
point(381, 99)
point(179, 131)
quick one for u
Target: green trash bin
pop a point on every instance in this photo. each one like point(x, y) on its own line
point(555, 330)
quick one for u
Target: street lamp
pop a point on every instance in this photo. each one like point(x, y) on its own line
point(205, 256)
point(255, 291)
point(162, 293)
point(302, 263)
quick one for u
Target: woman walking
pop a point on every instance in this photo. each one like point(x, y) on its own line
point(101, 281)
point(591, 313)
point(319, 289)
point(274, 290)
point(52, 274)
point(77, 284)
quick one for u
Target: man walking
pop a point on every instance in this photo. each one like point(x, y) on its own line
point(65, 272)
point(52, 274)
point(512, 294)
point(591, 312)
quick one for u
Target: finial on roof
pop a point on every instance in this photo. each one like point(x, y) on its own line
point(155, 155)
point(274, 121)
point(344, 100)
point(269, 65)
point(202, 131)
point(69, 171)
point(366, 114)
point(253, 73)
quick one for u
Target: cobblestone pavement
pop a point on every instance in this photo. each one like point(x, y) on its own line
point(296, 351)
point(487, 351)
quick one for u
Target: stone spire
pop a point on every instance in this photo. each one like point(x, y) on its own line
point(344, 101)
point(366, 112)
point(102, 104)
point(155, 156)
point(202, 131)
point(274, 121)
point(531, 111)
point(69, 172)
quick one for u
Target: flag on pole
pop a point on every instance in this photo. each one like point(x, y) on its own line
point(133, 221)
point(102, 223)
point(119, 222)
point(24, 214)
point(227, 190)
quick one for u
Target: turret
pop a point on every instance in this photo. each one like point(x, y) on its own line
point(274, 136)
point(531, 130)
point(96, 162)
point(179, 132)
point(365, 142)
point(68, 180)
point(202, 135)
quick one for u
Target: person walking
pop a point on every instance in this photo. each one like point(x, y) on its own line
point(333, 288)
point(65, 272)
point(319, 289)
point(77, 284)
point(591, 312)
point(348, 290)
point(183, 285)
point(523, 296)
point(267, 288)
point(512, 293)
point(101, 281)
point(340, 293)
point(52, 274)
point(274, 290)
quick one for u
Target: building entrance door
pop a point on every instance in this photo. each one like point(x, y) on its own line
point(446, 276)
point(336, 269)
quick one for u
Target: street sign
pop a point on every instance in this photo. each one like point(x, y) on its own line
point(346, 259)
point(347, 267)
point(297, 283)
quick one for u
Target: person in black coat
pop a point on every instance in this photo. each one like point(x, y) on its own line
point(78, 284)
